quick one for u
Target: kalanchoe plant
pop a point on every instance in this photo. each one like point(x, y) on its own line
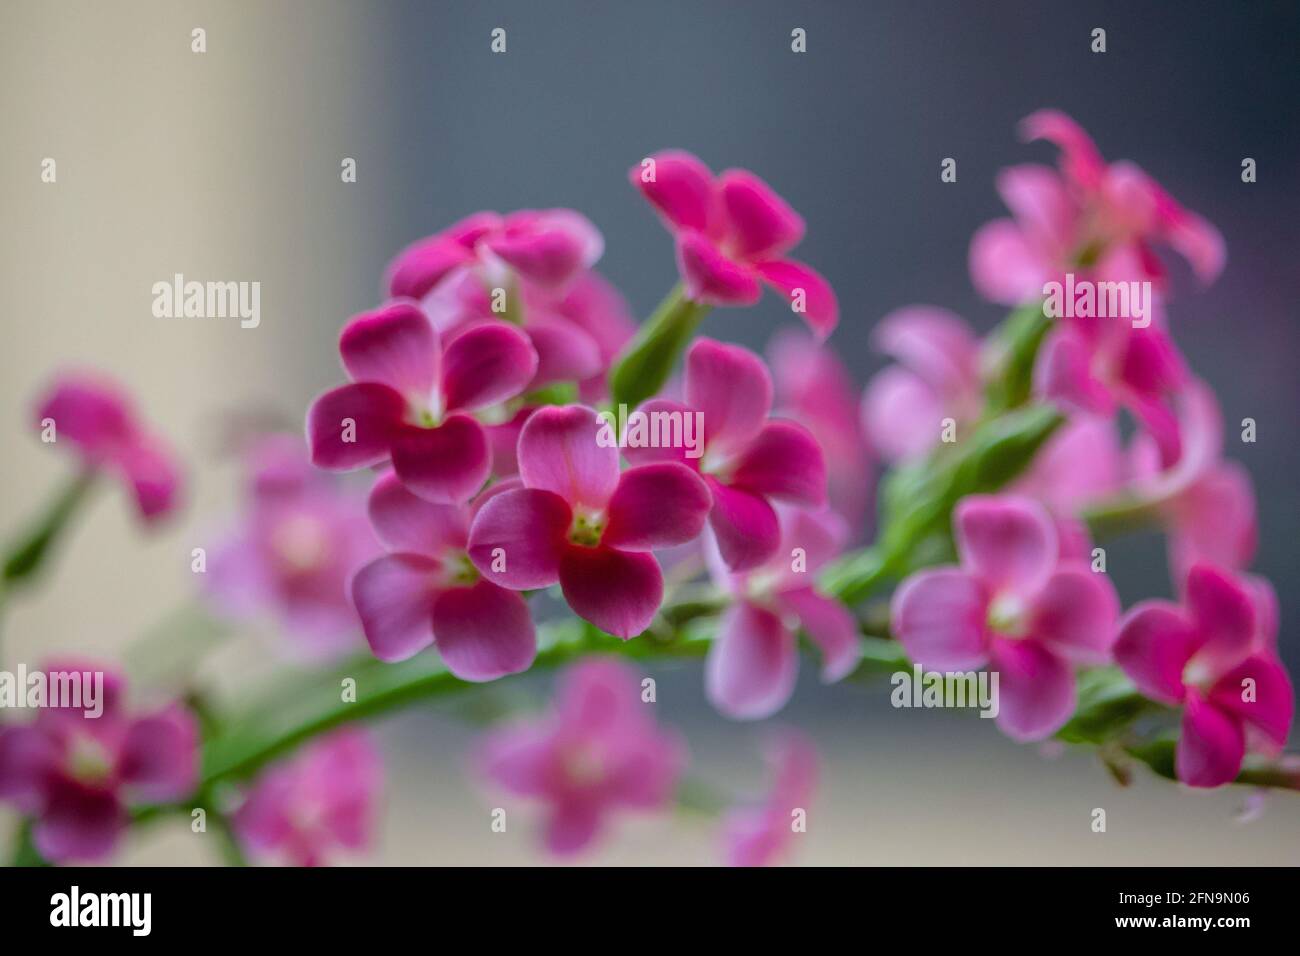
point(480, 390)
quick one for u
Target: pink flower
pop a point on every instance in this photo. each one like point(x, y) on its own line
point(577, 521)
point(762, 835)
point(76, 774)
point(426, 591)
point(732, 234)
point(813, 387)
point(321, 800)
point(1097, 366)
point(548, 248)
point(937, 377)
point(747, 460)
point(597, 752)
point(1011, 606)
point(1096, 220)
point(754, 660)
point(97, 416)
point(410, 400)
point(301, 539)
point(1215, 656)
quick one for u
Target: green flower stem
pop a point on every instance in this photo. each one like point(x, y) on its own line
point(651, 356)
point(1122, 515)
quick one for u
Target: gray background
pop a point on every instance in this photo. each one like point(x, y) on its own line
point(225, 165)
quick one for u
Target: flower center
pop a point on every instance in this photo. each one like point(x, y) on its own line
point(583, 766)
point(88, 760)
point(301, 543)
point(1197, 673)
point(458, 569)
point(1007, 615)
point(586, 528)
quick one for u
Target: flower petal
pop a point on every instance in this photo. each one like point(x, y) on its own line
point(406, 522)
point(1259, 692)
point(618, 591)
point(751, 668)
point(484, 632)
point(784, 462)
point(518, 536)
point(1211, 746)
point(394, 346)
point(565, 353)
point(394, 598)
point(1006, 541)
point(656, 506)
point(682, 188)
point(934, 343)
point(745, 525)
point(712, 278)
point(154, 477)
point(806, 291)
point(445, 465)
point(938, 616)
point(423, 264)
point(27, 756)
point(1003, 266)
point(1035, 689)
point(1063, 373)
point(548, 247)
point(564, 450)
point(829, 625)
point(1075, 614)
point(354, 426)
point(1223, 610)
point(732, 389)
point(901, 414)
point(761, 225)
point(78, 823)
point(486, 365)
point(1156, 640)
point(159, 757)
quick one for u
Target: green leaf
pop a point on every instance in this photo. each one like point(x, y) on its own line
point(1014, 351)
point(1108, 704)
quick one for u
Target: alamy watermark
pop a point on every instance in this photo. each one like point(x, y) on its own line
point(922, 688)
point(1085, 299)
point(69, 690)
point(179, 299)
point(661, 428)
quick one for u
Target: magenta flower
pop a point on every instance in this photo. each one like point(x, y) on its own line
point(1095, 219)
point(732, 234)
point(762, 834)
point(754, 660)
point(937, 377)
point(410, 399)
point(96, 415)
point(596, 753)
point(577, 521)
point(1012, 606)
point(76, 774)
point(548, 247)
point(813, 387)
point(323, 799)
point(426, 591)
point(1215, 656)
point(748, 460)
point(300, 540)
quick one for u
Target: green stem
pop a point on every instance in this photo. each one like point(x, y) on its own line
point(649, 359)
point(1120, 516)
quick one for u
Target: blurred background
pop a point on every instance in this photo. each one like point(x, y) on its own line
point(225, 165)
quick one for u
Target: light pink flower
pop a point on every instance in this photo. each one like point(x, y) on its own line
point(76, 774)
point(754, 660)
point(323, 799)
point(1215, 656)
point(1011, 606)
point(762, 834)
point(426, 591)
point(301, 538)
point(813, 387)
point(1095, 219)
point(748, 459)
point(732, 234)
point(548, 248)
point(577, 521)
point(410, 400)
point(937, 377)
point(96, 415)
point(596, 753)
